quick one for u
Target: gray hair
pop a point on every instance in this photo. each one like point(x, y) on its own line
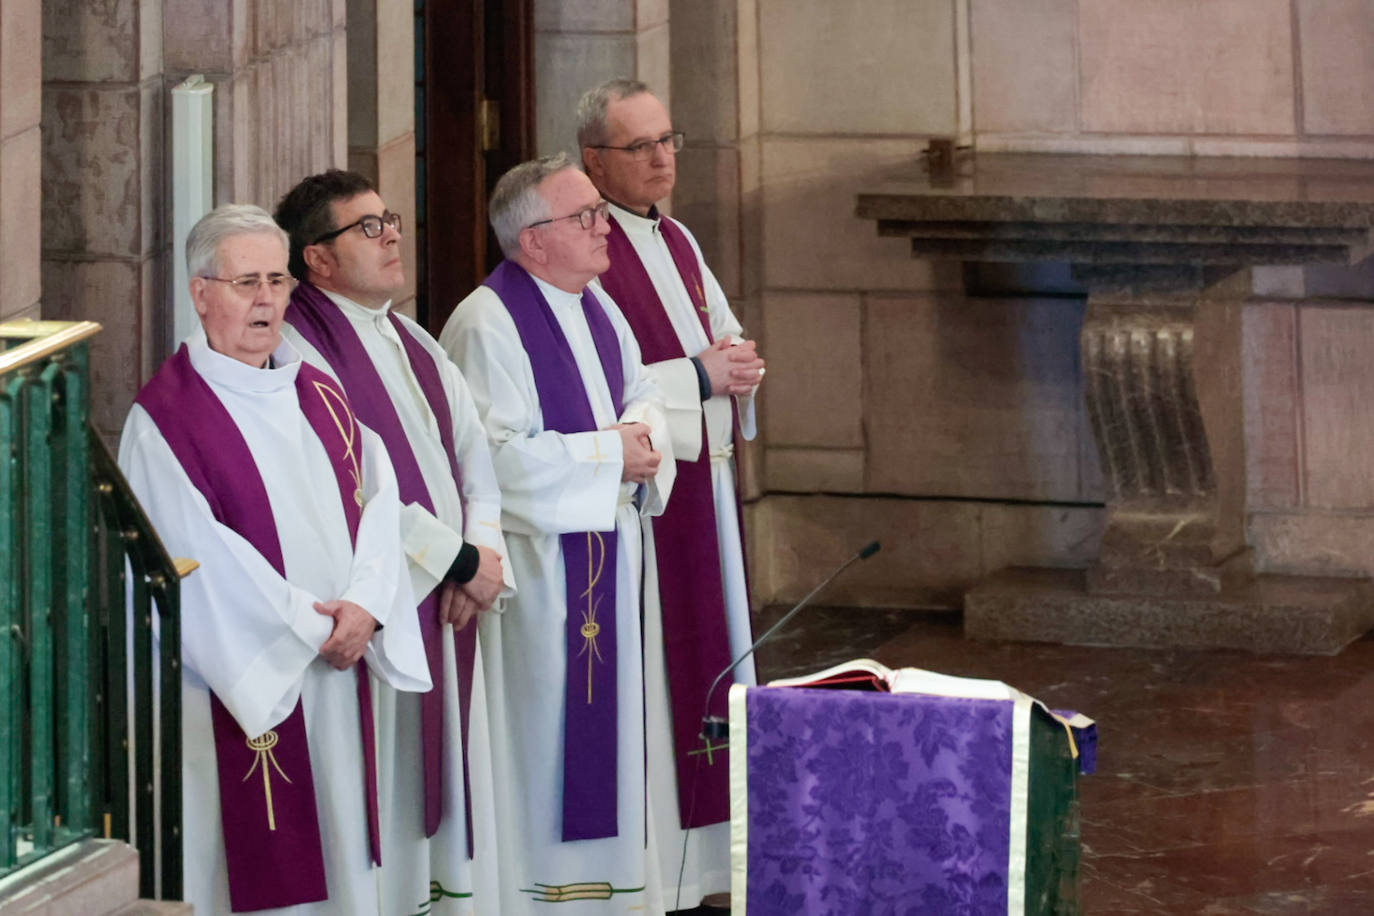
point(515, 202)
point(591, 108)
point(224, 222)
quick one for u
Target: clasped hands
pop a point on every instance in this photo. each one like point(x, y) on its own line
point(733, 368)
point(638, 456)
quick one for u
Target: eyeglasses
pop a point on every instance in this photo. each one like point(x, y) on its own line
point(247, 286)
point(586, 217)
point(641, 151)
point(372, 226)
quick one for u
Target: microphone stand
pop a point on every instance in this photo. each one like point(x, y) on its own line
point(716, 727)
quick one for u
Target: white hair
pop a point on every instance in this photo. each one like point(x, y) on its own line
point(224, 222)
point(516, 202)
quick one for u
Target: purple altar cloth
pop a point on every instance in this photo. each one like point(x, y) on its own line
point(873, 802)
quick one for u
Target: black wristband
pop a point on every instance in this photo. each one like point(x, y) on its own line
point(703, 380)
point(464, 566)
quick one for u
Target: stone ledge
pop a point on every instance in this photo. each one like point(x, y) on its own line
point(88, 878)
point(1291, 615)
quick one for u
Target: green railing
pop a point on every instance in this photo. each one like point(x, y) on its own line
point(75, 658)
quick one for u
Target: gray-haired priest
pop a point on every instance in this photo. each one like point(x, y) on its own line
point(708, 373)
point(578, 440)
point(252, 463)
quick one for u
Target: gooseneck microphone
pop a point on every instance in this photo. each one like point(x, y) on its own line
point(716, 727)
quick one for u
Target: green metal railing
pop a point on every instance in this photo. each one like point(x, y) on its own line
point(75, 659)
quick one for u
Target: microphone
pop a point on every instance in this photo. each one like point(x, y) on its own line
point(717, 727)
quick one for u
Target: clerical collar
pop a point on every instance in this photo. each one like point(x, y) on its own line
point(356, 309)
point(620, 210)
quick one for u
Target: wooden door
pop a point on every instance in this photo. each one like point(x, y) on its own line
point(474, 100)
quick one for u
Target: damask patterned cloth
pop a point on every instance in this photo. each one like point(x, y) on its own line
point(880, 803)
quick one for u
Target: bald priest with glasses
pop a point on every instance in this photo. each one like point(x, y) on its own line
point(438, 847)
point(253, 463)
point(577, 435)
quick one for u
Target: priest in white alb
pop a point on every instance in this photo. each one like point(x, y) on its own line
point(708, 373)
point(252, 463)
point(580, 447)
point(438, 845)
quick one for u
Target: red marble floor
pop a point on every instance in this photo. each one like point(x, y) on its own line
point(1226, 784)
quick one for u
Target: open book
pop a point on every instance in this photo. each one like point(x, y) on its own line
point(867, 674)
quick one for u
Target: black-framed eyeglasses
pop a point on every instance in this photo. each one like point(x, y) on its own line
point(586, 217)
point(246, 286)
point(371, 225)
point(641, 151)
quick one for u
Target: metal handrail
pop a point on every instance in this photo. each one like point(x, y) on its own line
point(46, 338)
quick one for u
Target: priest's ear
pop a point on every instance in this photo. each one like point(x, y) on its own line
point(532, 245)
point(592, 165)
point(319, 260)
point(198, 288)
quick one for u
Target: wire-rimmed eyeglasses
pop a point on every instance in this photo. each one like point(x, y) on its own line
point(586, 217)
point(371, 226)
point(247, 286)
point(672, 142)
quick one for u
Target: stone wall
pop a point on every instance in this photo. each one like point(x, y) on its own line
point(580, 43)
point(21, 28)
point(108, 68)
point(898, 404)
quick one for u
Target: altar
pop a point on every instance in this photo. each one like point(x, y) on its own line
point(1167, 249)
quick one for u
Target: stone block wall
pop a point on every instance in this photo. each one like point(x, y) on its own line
point(899, 405)
point(21, 29)
point(108, 67)
point(580, 43)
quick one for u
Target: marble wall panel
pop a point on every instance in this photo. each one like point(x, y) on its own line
point(816, 470)
point(395, 99)
point(1029, 535)
point(930, 549)
point(973, 397)
point(811, 238)
point(1272, 398)
point(150, 31)
point(812, 395)
point(585, 15)
point(201, 35)
point(1313, 543)
point(20, 211)
point(751, 215)
point(1337, 380)
point(706, 198)
point(21, 44)
point(339, 94)
point(1025, 65)
point(1211, 66)
point(567, 65)
point(122, 296)
point(92, 182)
point(1337, 281)
point(267, 109)
point(867, 67)
point(363, 78)
point(704, 63)
point(396, 183)
point(91, 40)
point(653, 62)
point(650, 13)
point(747, 66)
point(1337, 65)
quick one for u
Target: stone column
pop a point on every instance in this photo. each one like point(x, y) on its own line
point(103, 239)
point(381, 113)
point(21, 24)
point(578, 44)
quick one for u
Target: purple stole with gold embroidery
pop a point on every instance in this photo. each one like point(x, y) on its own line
point(267, 792)
point(316, 318)
point(696, 639)
point(589, 557)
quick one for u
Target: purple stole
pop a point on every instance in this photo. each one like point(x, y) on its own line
point(589, 557)
point(696, 640)
point(316, 318)
point(271, 825)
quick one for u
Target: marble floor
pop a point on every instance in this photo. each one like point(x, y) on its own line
point(1226, 784)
